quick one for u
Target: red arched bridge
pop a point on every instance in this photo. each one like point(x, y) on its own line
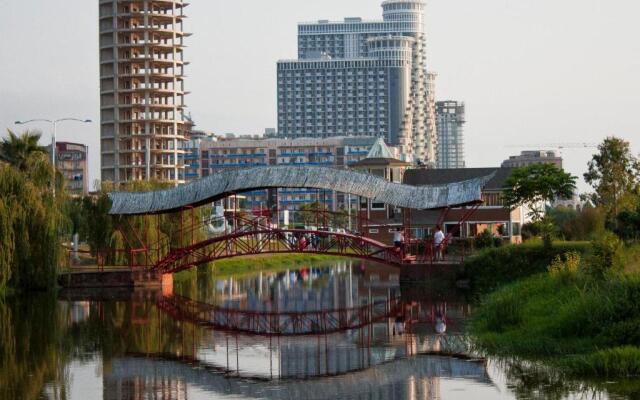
point(165, 232)
point(271, 323)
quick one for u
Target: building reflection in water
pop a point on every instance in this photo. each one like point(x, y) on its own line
point(370, 362)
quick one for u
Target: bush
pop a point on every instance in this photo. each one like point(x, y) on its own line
point(628, 224)
point(529, 231)
point(566, 268)
point(483, 240)
point(606, 257)
point(494, 267)
point(577, 225)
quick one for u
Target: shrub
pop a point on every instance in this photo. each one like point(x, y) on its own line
point(494, 267)
point(606, 257)
point(577, 225)
point(484, 240)
point(565, 268)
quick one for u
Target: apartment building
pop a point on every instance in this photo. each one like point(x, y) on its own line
point(72, 161)
point(362, 78)
point(142, 120)
point(339, 152)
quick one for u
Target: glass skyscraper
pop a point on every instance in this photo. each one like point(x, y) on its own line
point(362, 78)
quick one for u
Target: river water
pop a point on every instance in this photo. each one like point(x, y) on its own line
point(348, 330)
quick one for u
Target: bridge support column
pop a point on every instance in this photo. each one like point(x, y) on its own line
point(167, 284)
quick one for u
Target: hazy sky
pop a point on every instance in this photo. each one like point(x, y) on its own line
point(530, 71)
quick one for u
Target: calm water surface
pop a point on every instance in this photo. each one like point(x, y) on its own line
point(152, 345)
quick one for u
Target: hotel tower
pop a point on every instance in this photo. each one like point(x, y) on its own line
point(362, 78)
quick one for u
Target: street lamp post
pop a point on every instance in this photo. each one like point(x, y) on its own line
point(54, 124)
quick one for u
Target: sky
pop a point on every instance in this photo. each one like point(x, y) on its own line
point(529, 71)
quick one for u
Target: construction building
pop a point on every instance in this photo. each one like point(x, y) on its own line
point(142, 120)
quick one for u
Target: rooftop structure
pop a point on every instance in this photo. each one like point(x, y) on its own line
point(142, 90)
point(529, 157)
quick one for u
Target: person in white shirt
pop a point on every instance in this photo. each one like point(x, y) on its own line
point(438, 240)
point(398, 238)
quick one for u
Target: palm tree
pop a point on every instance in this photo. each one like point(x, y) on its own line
point(15, 149)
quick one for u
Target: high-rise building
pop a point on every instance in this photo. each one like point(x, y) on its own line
point(72, 163)
point(450, 120)
point(529, 157)
point(142, 90)
point(361, 78)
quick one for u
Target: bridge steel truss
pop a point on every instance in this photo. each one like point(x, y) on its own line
point(258, 235)
point(275, 241)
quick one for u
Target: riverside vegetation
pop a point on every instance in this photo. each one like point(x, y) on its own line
point(571, 309)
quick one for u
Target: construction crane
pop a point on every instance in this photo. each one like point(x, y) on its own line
point(559, 146)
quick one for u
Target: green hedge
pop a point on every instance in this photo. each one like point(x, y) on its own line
point(494, 267)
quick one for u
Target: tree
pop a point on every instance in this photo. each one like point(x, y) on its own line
point(536, 185)
point(30, 222)
point(16, 150)
point(614, 174)
point(312, 212)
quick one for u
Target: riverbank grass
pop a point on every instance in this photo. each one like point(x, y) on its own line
point(567, 318)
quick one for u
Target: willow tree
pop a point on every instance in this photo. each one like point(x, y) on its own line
point(161, 232)
point(30, 222)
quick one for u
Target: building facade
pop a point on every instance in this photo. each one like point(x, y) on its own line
point(450, 120)
point(492, 215)
point(339, 152)
point(191, 153)
point(72, 161)
point(142, 121)
point(362, 78)
point(530, 157)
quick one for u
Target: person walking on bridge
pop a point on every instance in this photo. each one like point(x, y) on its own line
point(398, 240)
point(438, 241)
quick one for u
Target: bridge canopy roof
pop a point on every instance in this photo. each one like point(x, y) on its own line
point(226, 183)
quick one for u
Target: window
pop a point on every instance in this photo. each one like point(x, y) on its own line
point(377, 206)
point(373, 231)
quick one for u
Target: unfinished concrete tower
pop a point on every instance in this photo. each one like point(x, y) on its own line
point(142, 120)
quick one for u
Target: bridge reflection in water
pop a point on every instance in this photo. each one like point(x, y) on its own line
point(356, 356)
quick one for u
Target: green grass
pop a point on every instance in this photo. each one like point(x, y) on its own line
point(241, 266)
point(495, 267)
point(583, 328)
